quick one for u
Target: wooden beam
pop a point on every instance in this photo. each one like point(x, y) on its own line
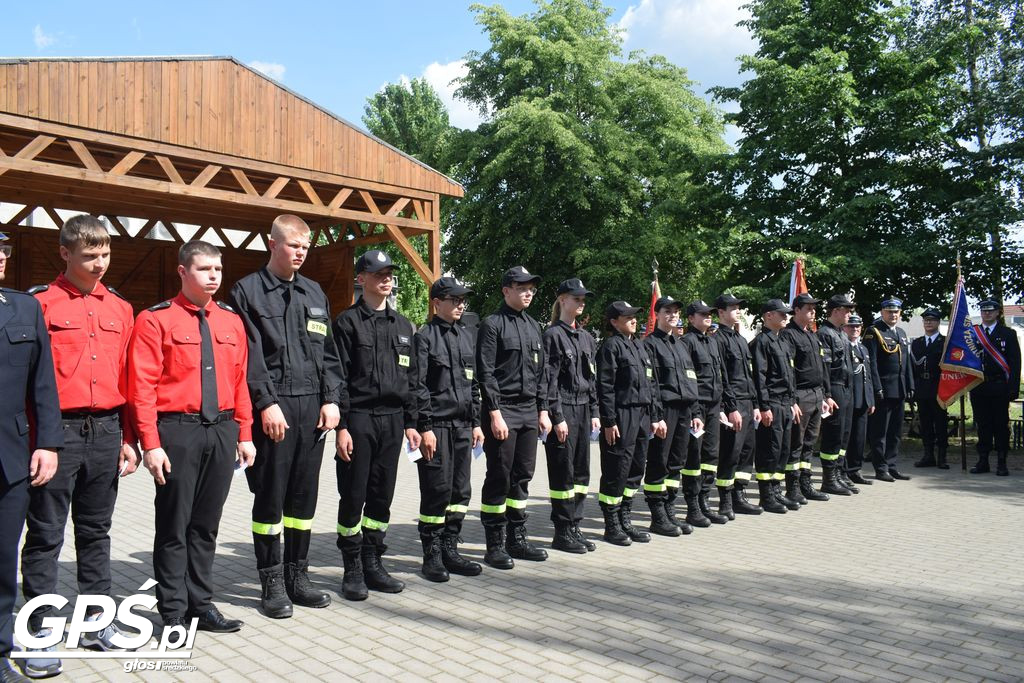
point(206, 176)
point(276, 187)
point(398, 206)
point(57, 220)
point(24, 213)
point(340, 198)
point(244, 182)
point(31, 150)
point(116, 222)
point(84, 155)
point(410, 253)
point(314, 198)
point(169, 169)
point(127, 163)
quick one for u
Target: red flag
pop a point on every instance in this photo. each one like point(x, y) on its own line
point(798, 285)
point(655, 295)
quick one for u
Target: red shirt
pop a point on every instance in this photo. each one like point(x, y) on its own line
point(89, 335)
point(163, 365)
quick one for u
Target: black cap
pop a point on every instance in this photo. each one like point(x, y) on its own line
point(448, 286)
point(891, 303)
point(989, 305)
point(854, 321)
point(518, 274)
point(573, 286)
point(667, 301)
point(373, 261)
point(840, 301)
point(805, 298)
point(618, 309)
point(726, 300)
point(698, 307)
point(775, 305)
point(933, 313)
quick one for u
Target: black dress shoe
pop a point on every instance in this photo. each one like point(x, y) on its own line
point(883, 476)
point(213, 621)
point(896, 474)
point(858, 478)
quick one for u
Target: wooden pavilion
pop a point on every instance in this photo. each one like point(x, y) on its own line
point(173, 148)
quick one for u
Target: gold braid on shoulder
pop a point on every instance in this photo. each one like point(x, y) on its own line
point(883, 344)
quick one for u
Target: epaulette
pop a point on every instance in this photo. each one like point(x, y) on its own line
point(160, 306)
point(116, 293)
point(225, 307)
point(38, 289)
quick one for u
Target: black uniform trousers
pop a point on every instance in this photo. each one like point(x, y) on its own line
point(885, 431)
point(510, 465)
point(835, 429)
point(284, 481)
point(445, 488)
point(85, 484)
point(188, 510)
point(932, 417)
point(736, 449)
point(992, 418)
point(666, 457)
point(772, 449)
point(622, 463)
point(701, 465)
point(805, 433)
point(366, 484)
point(569, 465)
point(13, 507)
point(858, 439)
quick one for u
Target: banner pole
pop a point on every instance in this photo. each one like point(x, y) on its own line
point(963, 436)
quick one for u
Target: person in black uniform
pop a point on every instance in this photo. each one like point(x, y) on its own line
point(26, 370)
point(737, 438)
point(813, 393)
point(862, 400)
point(294, 379)
point(835, 430)
point(889, 348)
point(926, 354)
point(677, 382)
point(990, 401)
point(571, 355)
point(630, 406)
point(510, 364)
point(771, 361)
point(448, 420)
point(702, 453)
point(378, 405)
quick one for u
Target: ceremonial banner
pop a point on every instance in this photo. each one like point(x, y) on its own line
point(655, 295)
point(798, 285)
point(961, 357)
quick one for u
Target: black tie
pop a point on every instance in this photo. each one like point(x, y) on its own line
point(210, 408)
point(927, 342)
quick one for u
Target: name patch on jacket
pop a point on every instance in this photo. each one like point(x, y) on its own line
point(403, 360)
point(316, 327)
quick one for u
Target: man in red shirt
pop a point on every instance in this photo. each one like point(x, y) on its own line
point(186, 382)
point(89, 327)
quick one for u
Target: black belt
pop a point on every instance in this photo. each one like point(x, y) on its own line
point(89, 414)
point(222, 416)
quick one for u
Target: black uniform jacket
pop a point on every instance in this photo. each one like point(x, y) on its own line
point(571, 356)
point(447, 390)
point(772, 361)
point(378, 368)
point(706, 361)
point(808, 359)
point(737, 377)
point(865, 378)
point(291, 349)
point(625, 378)
point(996, 384)
point(510, 360)
point(677, 378)
point(26, 371)
point(837, 355)
point(926, 358)
point(889, 349)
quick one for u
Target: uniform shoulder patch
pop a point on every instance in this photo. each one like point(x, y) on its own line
point(38, 289)
point(116, 293)
point(226, 307)
point(160, 306)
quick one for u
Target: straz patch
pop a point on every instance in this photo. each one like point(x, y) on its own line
point(403, 361)
point(469, 373)
point(691, 374)
point(316, 327)
point(649, 373)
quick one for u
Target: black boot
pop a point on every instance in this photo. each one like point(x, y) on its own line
point(725, 503)
point(496, 555)
point(857, 478)
point(613, 532)
point(740, 504)
point(807, 487)
point(566, 541)
point(927, 460)
point(353, 585)
point(1001, 469)
point(670, 512)
point(300, 590)
point(768, 501)
point(694, 515)
point(940, 459)
point(376, 576)
point(274, 602)
point(578, 535)
point(793, 487)
point(433, 567)
point(829, 481)
point(982, 465)
point(453, 561)
point(660, 523)
point(705, 509)
point(843, 478)
point(783, 500)
point(626, 521)
point(519, 546)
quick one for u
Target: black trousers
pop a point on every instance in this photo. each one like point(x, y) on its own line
point(284, 481)
point(666, 457)
point(805, 433)
point(702, 454)
point(934, 426)
point(772, 449)
point(736, 449)
point(510, 466)
point(86, 485)
point(13, 507)
point(366, 484)
point(992, 418)
point(858, 439)
point(569, 466)
point(885, 431)
point(445, 487)
point(622, 463)
point(835, 429)
point(188, 511)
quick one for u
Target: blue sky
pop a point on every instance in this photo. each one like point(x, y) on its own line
point(339, 53)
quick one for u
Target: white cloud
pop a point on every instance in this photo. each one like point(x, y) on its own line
point(441, 77)
point(271, 69)
point(42, 40)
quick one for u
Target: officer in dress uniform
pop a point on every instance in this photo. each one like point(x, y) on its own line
point(186, 382)
point(889, 348)
point(835, 430)
point(294, 380)
point(862, 400)
point(990, 401)
point(926, 354)
point(26, 372)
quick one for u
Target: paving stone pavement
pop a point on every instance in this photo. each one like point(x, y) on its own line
point(916, 580)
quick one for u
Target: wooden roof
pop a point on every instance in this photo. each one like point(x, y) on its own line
point(215, 104)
